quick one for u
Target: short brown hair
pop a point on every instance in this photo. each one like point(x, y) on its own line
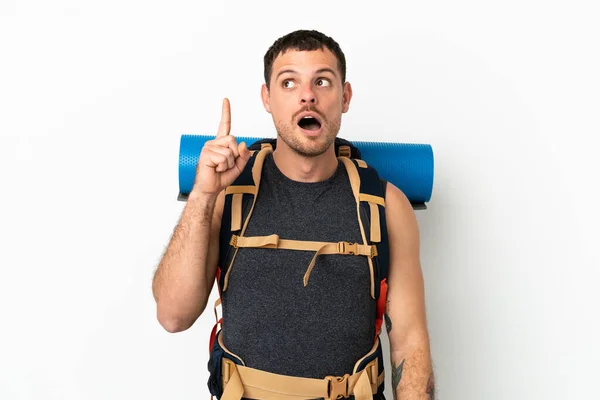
point(303, 40)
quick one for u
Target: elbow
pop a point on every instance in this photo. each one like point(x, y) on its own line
point(409, 341)
point(173, 325)
point(173, 322)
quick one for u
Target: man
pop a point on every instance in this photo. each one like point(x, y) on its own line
point(271, 320)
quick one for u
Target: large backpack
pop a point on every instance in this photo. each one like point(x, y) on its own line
point(369, 190)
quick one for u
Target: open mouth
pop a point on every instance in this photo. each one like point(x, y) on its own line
point(309, 123)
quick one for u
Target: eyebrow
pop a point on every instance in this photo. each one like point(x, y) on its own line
point(319, 71)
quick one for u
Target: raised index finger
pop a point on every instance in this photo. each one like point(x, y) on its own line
point(225, 125)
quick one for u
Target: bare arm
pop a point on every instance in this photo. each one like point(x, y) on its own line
point(185, 276)
point(186, 273)
point(412, 373)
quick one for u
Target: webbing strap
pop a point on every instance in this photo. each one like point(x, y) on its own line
point(250, 189)
point(236, 211)
point(340, 248)
point(372, 199)
point(217, 303)
point(362, 389)
point(236, 203)
point(235, 387)
point(353, 176)
point(274, 242)
point(374, 202)
point(375, 227)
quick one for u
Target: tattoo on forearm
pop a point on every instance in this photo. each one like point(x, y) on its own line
point(431, 387)
point(396, 375)
point(388, 323)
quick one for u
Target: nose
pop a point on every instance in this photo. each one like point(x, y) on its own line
point(308, 95)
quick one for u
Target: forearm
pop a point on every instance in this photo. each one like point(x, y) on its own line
point(180, 285)
point(412, 372)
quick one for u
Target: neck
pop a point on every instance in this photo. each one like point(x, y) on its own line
point(305, 169)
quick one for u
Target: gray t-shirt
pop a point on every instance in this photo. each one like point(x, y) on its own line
point(270, 319)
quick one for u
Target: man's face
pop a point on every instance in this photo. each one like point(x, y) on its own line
point(306, 100)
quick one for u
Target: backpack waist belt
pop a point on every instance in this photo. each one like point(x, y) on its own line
point(241, 381)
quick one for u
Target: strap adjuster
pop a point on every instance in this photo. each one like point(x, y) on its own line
point(374, 251)
point(344, 151)
point(338, 387)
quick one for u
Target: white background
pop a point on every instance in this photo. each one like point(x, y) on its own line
point(94, 97)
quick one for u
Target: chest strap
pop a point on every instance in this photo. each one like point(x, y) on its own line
point(321, 248)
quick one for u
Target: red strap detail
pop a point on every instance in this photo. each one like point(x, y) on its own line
point(381, 306)
point(213, 334)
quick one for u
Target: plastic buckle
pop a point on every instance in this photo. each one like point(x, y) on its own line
point(233, 241)
point(338, 387)
point(348, 248)
point(352, 248)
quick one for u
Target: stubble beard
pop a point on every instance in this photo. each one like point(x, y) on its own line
point(307, 146)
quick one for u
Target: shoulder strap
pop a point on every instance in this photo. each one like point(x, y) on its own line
point(369, 190)
point(240, 198)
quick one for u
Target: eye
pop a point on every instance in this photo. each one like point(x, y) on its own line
point(287, 83)
point(323, 82)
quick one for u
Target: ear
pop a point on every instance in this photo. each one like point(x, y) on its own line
point(264, 94)
point(347, 96)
